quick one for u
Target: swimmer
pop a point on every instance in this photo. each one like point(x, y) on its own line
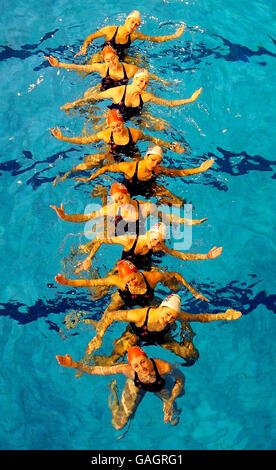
point(143, 375)
point(134, 287)
point(121, 37)
point(138, 249)
point(151, 326)
point(130, 99)
point(125, 214)
point(112, 71)
point(140, 176)
point(120, 140)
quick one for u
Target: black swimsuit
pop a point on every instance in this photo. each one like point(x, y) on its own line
point(136, 186)
point(150, 387)
point(128, 149)
point(127, 112)
point(108, 82)
point(133, 228)
point(149, 337)
point(142, 262)
point(137, 299)
point(119, 48)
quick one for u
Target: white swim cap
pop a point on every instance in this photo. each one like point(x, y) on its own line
point(141, 72)
point(155, 150)
point(160, 227)
point(135, 14)
point(172, 301)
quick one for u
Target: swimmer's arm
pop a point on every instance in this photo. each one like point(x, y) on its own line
point(78, 217)
point(145, 37)
point(106, 281)
point(114, 168)
point(229, 315)
point(186, 171)
point(170, 103)
point(56, 132)
point(98, 34)
point(175, 147)
point(86, 264)
point(169, 277)
point(213, 253)
point(103, 370)
point(82, 67)
point(165, 368)
point(107, 319)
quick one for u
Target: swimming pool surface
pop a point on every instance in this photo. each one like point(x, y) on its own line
point(229, 48)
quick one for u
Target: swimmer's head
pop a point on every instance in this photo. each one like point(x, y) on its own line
point(110, 56)
point(130, 274)
point(115, 121)
point(141, 80)
point(133, 21)
point(170, 308)
point(153, 157)
point(139, 361)
point(157, 234)
point(119, 193)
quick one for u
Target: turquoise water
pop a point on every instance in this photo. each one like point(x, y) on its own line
point(229, 49)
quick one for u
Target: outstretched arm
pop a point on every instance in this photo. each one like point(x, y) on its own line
point(106, 281)
point(67, 361)
point(171, 103)
point(228, 315)
point(213, 253)
point(56, 132)
point(169, 277)
point(145, 37)
point(114, 168)
point(82, 68)
point(77, 217)
point(187, 171)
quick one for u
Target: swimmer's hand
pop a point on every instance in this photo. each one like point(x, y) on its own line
point(176, 147)
point(232, 314)
point(207, 164)
point(52, 61)
point(94, 344)
point(60, 211)
point(56, 132)
point(179, 31)
point(214, 252)
point(201, 297)
point(62, 280)
point(84, 265)
point(195, 95)
point(192, 221)
point(84, 180)
point(65, 361)
point(82, 51)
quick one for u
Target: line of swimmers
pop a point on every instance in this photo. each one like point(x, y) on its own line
point(153, 323)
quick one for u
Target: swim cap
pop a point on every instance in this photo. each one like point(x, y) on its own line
point(114, 115)
point(141, 72)
point(155, 150)
point(118, 188)
point(160, 227)
point(108, 50)
point(126, 268)
point(133, 352)
point(172, 301)
point(134, 14)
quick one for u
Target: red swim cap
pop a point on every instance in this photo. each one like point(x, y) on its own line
point(108, 50)
point(126, 268)
point(114, 115)
point(118, 188)
point(133, 352)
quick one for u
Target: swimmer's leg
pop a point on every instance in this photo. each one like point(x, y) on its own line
point(185, 349)
point(123, 410)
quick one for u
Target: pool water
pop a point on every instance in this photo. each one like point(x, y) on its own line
point(229, 49)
